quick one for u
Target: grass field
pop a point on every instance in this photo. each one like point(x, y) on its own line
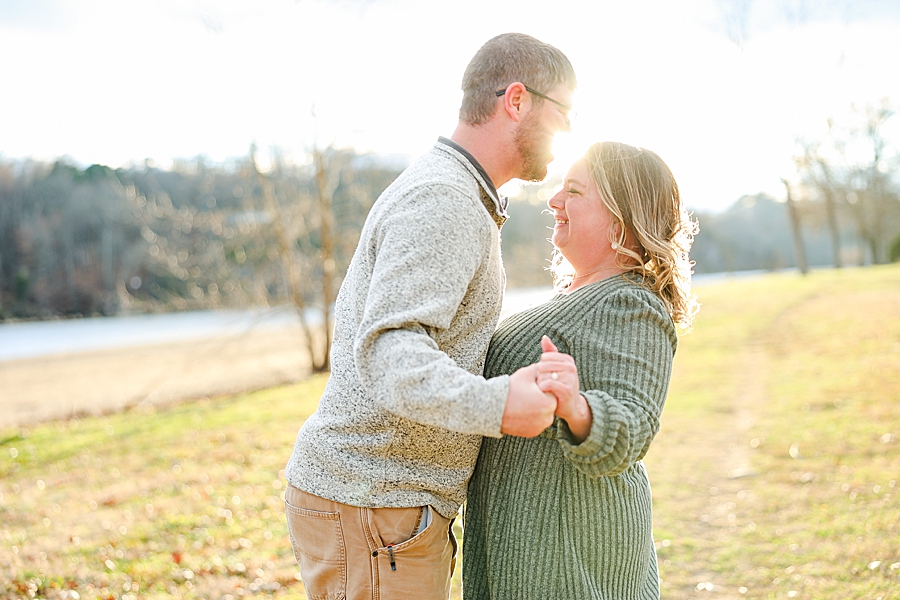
point(776, 471)
point(775, 474)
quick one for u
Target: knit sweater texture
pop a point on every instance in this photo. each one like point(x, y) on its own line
point(551, 519)
point(405, 408)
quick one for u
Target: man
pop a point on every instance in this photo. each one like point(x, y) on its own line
point(380, 470)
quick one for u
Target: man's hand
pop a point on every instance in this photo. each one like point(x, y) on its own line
point(528, 410)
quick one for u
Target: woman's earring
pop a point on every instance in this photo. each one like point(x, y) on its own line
point(614, 246)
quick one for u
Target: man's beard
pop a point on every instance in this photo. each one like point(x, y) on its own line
point(532, 145)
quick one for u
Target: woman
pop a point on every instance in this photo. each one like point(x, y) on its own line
point(567, 515)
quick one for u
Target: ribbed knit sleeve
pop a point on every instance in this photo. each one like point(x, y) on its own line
point(624, 359)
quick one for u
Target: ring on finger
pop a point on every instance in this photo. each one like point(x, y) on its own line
point(554, 375)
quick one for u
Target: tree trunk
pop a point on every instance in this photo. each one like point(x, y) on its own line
point(831, 212)
point(286, 254)
point(69, 262)
point(107, 257)
point(799, 251)
point(326, 232)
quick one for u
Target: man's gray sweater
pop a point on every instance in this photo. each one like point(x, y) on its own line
point(403, 413)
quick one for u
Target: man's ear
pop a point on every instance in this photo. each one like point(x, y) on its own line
point(516, 100)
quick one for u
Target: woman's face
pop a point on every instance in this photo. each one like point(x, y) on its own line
point(583, 222)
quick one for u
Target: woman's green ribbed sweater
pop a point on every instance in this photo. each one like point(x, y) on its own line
point(550, 519)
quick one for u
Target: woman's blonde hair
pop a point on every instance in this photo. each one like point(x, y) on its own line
point(641, 194)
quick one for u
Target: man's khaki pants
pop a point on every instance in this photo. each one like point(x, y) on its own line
point(369, 553)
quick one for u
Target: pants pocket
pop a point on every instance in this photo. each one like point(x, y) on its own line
point(419, 567)
point(455, 546)
point(318, 543)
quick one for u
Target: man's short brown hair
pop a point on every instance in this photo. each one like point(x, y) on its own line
point(505, 59)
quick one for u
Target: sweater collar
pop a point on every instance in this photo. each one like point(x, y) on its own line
point(499, 203)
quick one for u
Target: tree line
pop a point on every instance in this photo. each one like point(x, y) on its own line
point(105, 241)
point(96, 240)
point(841, 207)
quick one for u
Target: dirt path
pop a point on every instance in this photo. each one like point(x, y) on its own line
point(716, 480)
point(58, 387)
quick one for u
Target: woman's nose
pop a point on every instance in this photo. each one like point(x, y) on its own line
point(557, 200)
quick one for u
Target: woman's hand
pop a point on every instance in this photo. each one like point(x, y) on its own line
point(558, 375)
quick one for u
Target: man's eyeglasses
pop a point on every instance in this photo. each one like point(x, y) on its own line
point(544, 96)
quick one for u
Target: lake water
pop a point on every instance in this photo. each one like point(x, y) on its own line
point(46, 338)
point(43, 338)
point(65, 336)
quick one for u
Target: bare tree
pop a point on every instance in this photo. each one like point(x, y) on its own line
point(873, 194)
point(794, 213)
point(854, 170)
point(736, 20)
point(289, 264)
point(818, 175)
point(304, 224)
point(796, 12)
point(327, 175)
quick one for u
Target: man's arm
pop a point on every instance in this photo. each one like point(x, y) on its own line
point(427, 252)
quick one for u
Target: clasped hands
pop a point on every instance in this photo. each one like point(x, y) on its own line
point(546, 388)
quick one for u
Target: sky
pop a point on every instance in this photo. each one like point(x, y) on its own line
point(720, 89)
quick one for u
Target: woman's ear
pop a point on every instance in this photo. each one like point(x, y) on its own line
point(617, 234)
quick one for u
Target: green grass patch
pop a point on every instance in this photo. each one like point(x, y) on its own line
point(776, 473)
point(184, 502)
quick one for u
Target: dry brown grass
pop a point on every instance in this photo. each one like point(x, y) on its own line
point(775, 473)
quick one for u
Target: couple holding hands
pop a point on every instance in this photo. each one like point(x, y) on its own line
point(538, 425)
